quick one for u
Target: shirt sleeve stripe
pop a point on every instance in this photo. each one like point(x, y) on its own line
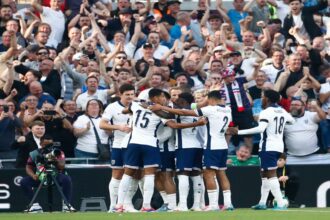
point(199, 112)
point(264, 120)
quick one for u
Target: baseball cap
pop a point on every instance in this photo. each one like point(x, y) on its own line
point(219, 48)
point(78, 56)
point(125, 11)
point(33, 48)
point(171, 2)
point(235, 53)
point(148, 45)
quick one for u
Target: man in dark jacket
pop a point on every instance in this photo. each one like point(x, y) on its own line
point(28, 143)
point(302, 17)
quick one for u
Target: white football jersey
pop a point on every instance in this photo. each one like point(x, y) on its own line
point(187, 137)
point(166, 138)
point(145, 125)
point(219, 118)
point(113, 114)
point(272, 137)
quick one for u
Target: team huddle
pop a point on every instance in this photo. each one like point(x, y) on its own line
point(156, 142)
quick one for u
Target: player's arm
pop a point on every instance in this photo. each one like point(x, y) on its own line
point(110, 127)
point(200, 122)
point(184, 112)
point(259, 129)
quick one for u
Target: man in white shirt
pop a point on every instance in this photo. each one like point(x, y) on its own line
point(325, 100)
point(52, 16)
point(300, 137)
point(274, 69)
point(93, 92)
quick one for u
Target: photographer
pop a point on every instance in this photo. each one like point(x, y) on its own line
point(38, 164)
point(8, 124)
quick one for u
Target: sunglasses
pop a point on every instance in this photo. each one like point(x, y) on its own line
point(42, 53)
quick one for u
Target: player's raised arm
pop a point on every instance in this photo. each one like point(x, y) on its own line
point(184, 112)
point(259, 129)
point(200, 122)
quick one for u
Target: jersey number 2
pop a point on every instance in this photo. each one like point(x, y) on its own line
point(225, 120)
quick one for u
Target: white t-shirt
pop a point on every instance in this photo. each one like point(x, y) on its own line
point(144, 94)
point(272, 138)
point(325, 87)
point(83, 98)
point(247, 66)
point(87, 142)
point(113, 114)
point(158, 54)
point(219, 118)
point(297, 21)
point(145, 125)
point(282, 9)
point(271, 72)
point(300, 137)
point(56, 20)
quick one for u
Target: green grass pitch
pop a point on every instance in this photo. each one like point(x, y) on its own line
point(238, 214)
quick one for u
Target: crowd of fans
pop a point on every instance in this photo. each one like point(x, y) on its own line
point(63, 62)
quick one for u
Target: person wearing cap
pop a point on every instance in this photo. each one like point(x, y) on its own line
point(124, 19)
point(142, 65)
point(159, 50)
point(302, 17)
point(237, 99)
point(212, 21)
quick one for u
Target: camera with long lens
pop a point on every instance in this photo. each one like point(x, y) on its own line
point(46, 163)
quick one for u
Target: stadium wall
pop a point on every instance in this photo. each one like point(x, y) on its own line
point(314, 187)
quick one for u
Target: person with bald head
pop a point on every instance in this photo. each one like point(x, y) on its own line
point(35, 88)
point(50, 79)
point(294, 73)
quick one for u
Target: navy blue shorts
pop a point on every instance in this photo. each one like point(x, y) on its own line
point(167, 161)
point(141, 156)
point(117, 158)
point(268, 159)
point(189, 159)
point(215, 159)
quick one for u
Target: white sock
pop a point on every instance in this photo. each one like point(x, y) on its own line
point(141, 184)
point(164, 196)
point(123, 188)
point(198, 190)
point(227, 198)
point(148, 190)
point(276, 191)
point(131, 192)
point(213, 198)
point(183, 190)
point(217, 184)
point(202, 205)
point(113, 191)
point(171, 199)
point(265, 188)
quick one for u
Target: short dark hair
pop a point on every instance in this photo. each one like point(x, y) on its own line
point(155, 92)
point(36, 73)
point(167, 95)
point(37, 123)
point(214, 95)
point(90, 77)
point(188, 97)
point(272, 95)
point(126, 87)
point(282, 156)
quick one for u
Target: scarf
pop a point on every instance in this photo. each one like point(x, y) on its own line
point(237, 95)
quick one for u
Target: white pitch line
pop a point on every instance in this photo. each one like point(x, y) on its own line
point(304, 210)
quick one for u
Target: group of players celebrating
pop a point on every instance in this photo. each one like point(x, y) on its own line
point(144, 145)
